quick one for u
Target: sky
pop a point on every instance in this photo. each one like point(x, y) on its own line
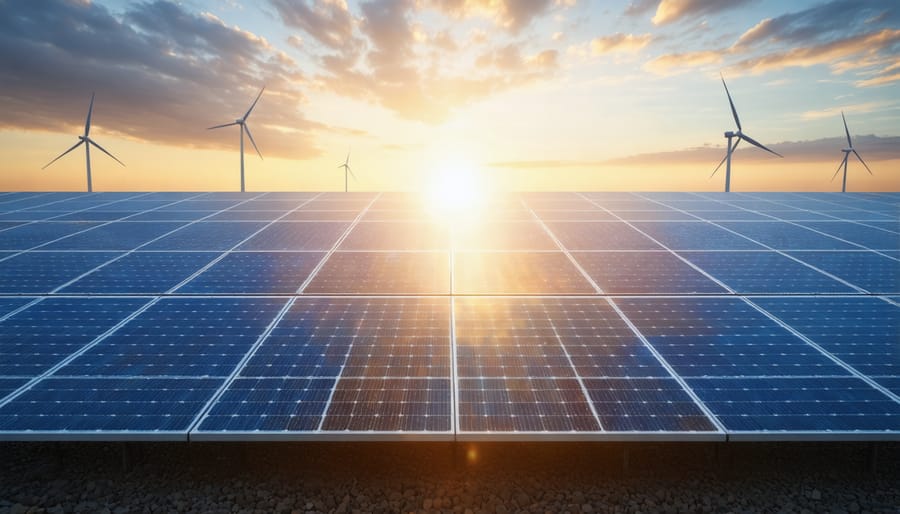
point(511, 94)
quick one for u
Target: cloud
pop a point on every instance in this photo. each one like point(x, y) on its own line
point(619, 42)
point(327, 21)
point(161, 74)
point(835, 112)
point(640, 7)
point(669, 11)
point(673, 64)
point(513, 15)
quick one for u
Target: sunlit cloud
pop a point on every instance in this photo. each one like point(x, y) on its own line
point(669, 11)
point(620, 42)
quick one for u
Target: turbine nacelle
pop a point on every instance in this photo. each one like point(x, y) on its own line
point(732, 134)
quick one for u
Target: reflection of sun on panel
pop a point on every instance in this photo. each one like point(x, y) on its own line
point(455, 191)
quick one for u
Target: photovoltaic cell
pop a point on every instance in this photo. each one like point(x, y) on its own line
point(764, 272)
point(645, 405)
point(42, 272)
point(390, 405)
point(502, 235)
point(141, 273)
point(694, 235)
point(34, 340)
point(408, 235)
point(647, 272)
point(8, 305)
point(600, 236)
point(296, 235)
point(68, 406)
point(873, 272)
point(254, 273)
point(206, 236)
point(121, 235)
point(869, 237)
point(187, 337)
point(270, 405)
point(517, 273)
point(383, 273)
point(9, 385)
point(864, 332)
point(785, 236)
point(30, 235)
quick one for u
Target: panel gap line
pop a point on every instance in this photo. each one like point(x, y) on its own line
point(662, 360)
point(78, 353)
point(334, 247)
point(66, 213)
point(227, 252)
point(834, 358)
point(22, 308)
point(454, 371)
point(138, 248)
point(337, 379)
point(779, 252)
point(204, 412)
point(696, 268)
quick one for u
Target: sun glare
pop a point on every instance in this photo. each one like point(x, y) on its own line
point(454, 189)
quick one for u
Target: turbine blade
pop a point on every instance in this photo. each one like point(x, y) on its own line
point(76, 145)
point(254, 102)
point(87, 122)
point(220, 126)
point(347, 160)
point(846, 130)
point(862, 161)
point(734, 113)
point(91, 141)
point(841, 165)
point(351, 173)
point(730, 150)
point(340, 166)
point(247, 130)
point(759, 145)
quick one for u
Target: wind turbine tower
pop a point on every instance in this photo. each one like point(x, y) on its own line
point(87, 142)
point(847, 151)
point(242, 122)
point(740, 136)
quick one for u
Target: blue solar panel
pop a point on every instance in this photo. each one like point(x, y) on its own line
point(69, 406)
point(872, 238)
point(722, 337)
point(42, 272)
point(764, 272)
point(9, 385)
point(862, 331)
point(270, 405)
point(254, 273)
point(141, 273)
point(873, 272)
point(33, 234)
point(600, 236)
point(95, 215)
point(187, 337)
point(502, 235)
point(206, 236)
point(695, 235)
point(122, 235)
point(406, 235)
point(8, 305)
point(383, 273)
point(645, 405)
point(39, 337)
point(785, 236)
point(237, 215)
point(297, 235)
point(648, 272)
point(797, 404)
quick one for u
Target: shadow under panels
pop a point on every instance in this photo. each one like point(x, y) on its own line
point(558, 368)
point(370, 368)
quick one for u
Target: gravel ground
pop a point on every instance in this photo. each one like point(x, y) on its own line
point(414, 477)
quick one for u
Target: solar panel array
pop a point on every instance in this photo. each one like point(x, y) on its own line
point(350, 316)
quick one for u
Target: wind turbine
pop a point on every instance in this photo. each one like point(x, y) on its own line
point(847, 152)
point(242, 122)
point(347, 170)
point(740, 137)
point(87, 142)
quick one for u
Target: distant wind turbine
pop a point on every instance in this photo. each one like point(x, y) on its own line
point(847, 151)
point(740, 137)
point(87, 142)
point(347, 170)
point(242, 122)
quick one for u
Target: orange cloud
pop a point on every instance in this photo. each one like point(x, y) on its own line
point(669, 11)
point(619, 42)
point(673, 64)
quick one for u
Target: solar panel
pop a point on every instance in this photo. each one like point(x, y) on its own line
point(647, 272)
point(39, 337)
point(873, 272)
point(42, 272)
point(764, 272)
point(254, 273)
point(371, 273)
point(368, 316)
point(291, 235)
point(141, 273)
point(548, 273)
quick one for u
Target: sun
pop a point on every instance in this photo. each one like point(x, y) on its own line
point(454, 189)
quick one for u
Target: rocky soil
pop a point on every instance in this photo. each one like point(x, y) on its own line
point(416, 477)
